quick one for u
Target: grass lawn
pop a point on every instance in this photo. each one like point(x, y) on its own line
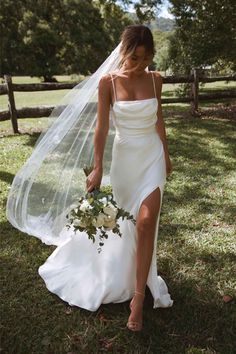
point(196, 254)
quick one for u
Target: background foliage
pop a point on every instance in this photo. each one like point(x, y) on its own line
point(75, 36)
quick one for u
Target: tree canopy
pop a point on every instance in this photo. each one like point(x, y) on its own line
point(204, 33)
point(41, 39)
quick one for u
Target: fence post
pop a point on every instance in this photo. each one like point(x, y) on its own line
point(11, 103)
point(194, 91)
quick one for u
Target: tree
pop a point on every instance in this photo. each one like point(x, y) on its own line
point(10, 50)
point(161, 59)
point(204, 34)
point(40, 43)
point(41, 39)
point(114, 20)
point(145, 10)
point(66, 38)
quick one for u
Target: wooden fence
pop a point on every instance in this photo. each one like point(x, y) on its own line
point(8, 88)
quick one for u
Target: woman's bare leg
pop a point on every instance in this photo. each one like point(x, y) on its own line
point(146, 224)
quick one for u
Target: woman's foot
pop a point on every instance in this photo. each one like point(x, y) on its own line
point(135, 321)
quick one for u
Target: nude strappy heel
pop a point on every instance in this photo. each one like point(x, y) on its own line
point(135, 326)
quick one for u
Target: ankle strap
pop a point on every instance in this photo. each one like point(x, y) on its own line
point(138, 292)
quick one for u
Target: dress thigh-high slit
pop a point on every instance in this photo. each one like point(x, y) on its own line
point(75, 271)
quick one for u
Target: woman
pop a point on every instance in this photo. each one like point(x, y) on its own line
point(130, 91)
point(50, 182)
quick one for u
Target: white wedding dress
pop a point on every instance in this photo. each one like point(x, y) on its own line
point(75, 271)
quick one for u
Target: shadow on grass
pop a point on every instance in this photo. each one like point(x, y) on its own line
point(168, 94)
point(37, 321)
point(226, 110)
point(6, 177)
point(32, 139)
point(40, 322)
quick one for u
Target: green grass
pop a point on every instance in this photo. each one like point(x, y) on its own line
point(28, 99)
point(196, 255)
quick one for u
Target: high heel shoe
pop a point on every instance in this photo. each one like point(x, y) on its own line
point(135, 326)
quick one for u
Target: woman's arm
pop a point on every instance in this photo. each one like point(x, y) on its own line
point(101, 130)
point(102, 124)
point(160, 125)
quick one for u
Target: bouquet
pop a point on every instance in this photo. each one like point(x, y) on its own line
point(96, 213)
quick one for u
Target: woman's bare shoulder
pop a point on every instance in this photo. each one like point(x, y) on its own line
point(157, 75)
point(105, 79)
point(105, 82)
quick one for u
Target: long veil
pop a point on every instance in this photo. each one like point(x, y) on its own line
point(52, 179)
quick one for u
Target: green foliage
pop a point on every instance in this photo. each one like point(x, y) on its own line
point(161, 59)
point(45, 39)
point(145, 9)
point(205, 34)
point(11, 52)
point(40, 44)
point(114, 19)
point(106, 189)
point(96, 212)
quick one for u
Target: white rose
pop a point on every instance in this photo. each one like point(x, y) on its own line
point(85, 205)
point(99, 221)
point(110, 210)
point(78, 222)
point(109, 222)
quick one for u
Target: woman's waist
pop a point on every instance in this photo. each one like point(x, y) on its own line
point(136, 131)
point(136, 142)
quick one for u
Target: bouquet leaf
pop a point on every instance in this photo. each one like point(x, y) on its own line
point(97, 212)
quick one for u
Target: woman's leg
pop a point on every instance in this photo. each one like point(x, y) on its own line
point(146, 224)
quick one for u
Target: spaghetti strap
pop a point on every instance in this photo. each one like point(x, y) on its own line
point(113, 86)
point(154, 86)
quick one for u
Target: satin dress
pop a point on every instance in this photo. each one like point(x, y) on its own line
point(75, 271)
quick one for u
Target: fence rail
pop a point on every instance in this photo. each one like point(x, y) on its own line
point(8, 88)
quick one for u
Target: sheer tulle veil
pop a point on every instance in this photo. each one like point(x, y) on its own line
point(52, 179)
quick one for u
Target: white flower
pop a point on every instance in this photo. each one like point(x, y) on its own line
point(99, 221)
point(78, 222)
point(110, 210)
point(109, 222)
point(103, 200)
point(85, 205)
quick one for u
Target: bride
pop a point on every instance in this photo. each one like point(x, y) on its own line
point(139, 165)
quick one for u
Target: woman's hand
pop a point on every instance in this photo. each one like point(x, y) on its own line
point(94, 179)
point(168, 166)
